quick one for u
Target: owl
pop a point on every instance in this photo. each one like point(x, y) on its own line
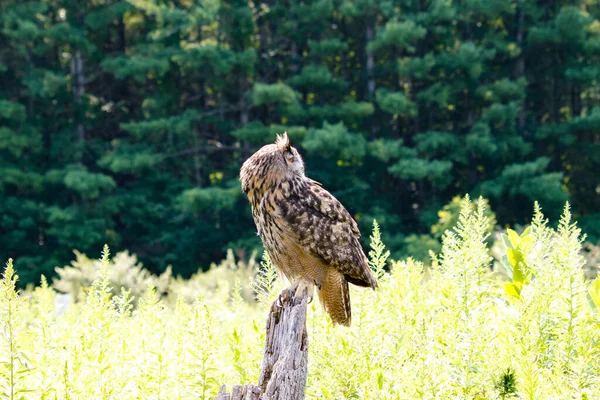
point(311, 238)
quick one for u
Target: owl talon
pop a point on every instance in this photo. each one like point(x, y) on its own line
point(301, 286)
point(278, 302)
point(280, 299)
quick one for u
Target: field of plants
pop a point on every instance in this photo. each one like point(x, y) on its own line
point(529, 329)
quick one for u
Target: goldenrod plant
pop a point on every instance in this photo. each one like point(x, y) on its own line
point(378, 255)
point(460, 332)
point(14, 363)
point(126, 272)
point(517, 249)
point(595, 294)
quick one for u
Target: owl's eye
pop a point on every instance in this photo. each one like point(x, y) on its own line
point(289, 156)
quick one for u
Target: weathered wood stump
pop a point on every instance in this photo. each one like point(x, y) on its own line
point(240, 392)
point(285, 362)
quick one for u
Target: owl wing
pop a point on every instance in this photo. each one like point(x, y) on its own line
point(324, 228)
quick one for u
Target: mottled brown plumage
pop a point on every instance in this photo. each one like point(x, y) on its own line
point(309, 235)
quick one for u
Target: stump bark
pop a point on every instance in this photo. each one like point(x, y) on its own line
point(285, 361)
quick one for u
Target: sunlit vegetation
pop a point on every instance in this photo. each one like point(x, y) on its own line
point(456, 329)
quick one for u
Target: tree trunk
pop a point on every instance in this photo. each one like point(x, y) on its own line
point(295, 57)
point(285, 361)
point(198, 162)
point(370, 69)
point(370, 65)
point(520, 67)
point(78, 87)
point(30, 67)
point(244, 118)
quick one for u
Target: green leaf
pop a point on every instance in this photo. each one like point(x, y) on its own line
point(514, 238)
point(513, 258)
point(512, 290)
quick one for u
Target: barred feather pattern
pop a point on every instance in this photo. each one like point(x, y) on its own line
point(306, 231)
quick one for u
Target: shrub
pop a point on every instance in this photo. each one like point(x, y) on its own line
point(456, 332)
point(220, 282)
point(125, 272)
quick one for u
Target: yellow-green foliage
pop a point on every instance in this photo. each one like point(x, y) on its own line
point(456, 333)
point(125, 272)
point(217, 283)
point(517, 249)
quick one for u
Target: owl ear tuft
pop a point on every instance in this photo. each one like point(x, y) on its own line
point(283, 142)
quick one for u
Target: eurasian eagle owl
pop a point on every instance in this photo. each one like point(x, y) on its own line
point(309, 235)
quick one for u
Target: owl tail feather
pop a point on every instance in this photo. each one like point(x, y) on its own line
point(335, 297)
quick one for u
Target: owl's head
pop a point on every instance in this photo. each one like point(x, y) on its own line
point(273, 163)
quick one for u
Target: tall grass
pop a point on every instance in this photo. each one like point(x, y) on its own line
point(456, 331)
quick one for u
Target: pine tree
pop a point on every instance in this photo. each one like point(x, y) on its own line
point(126, 121)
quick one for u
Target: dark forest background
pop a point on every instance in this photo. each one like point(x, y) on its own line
point(126, 122)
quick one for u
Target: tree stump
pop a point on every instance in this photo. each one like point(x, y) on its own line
point(285, 362)
point(240, 392)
